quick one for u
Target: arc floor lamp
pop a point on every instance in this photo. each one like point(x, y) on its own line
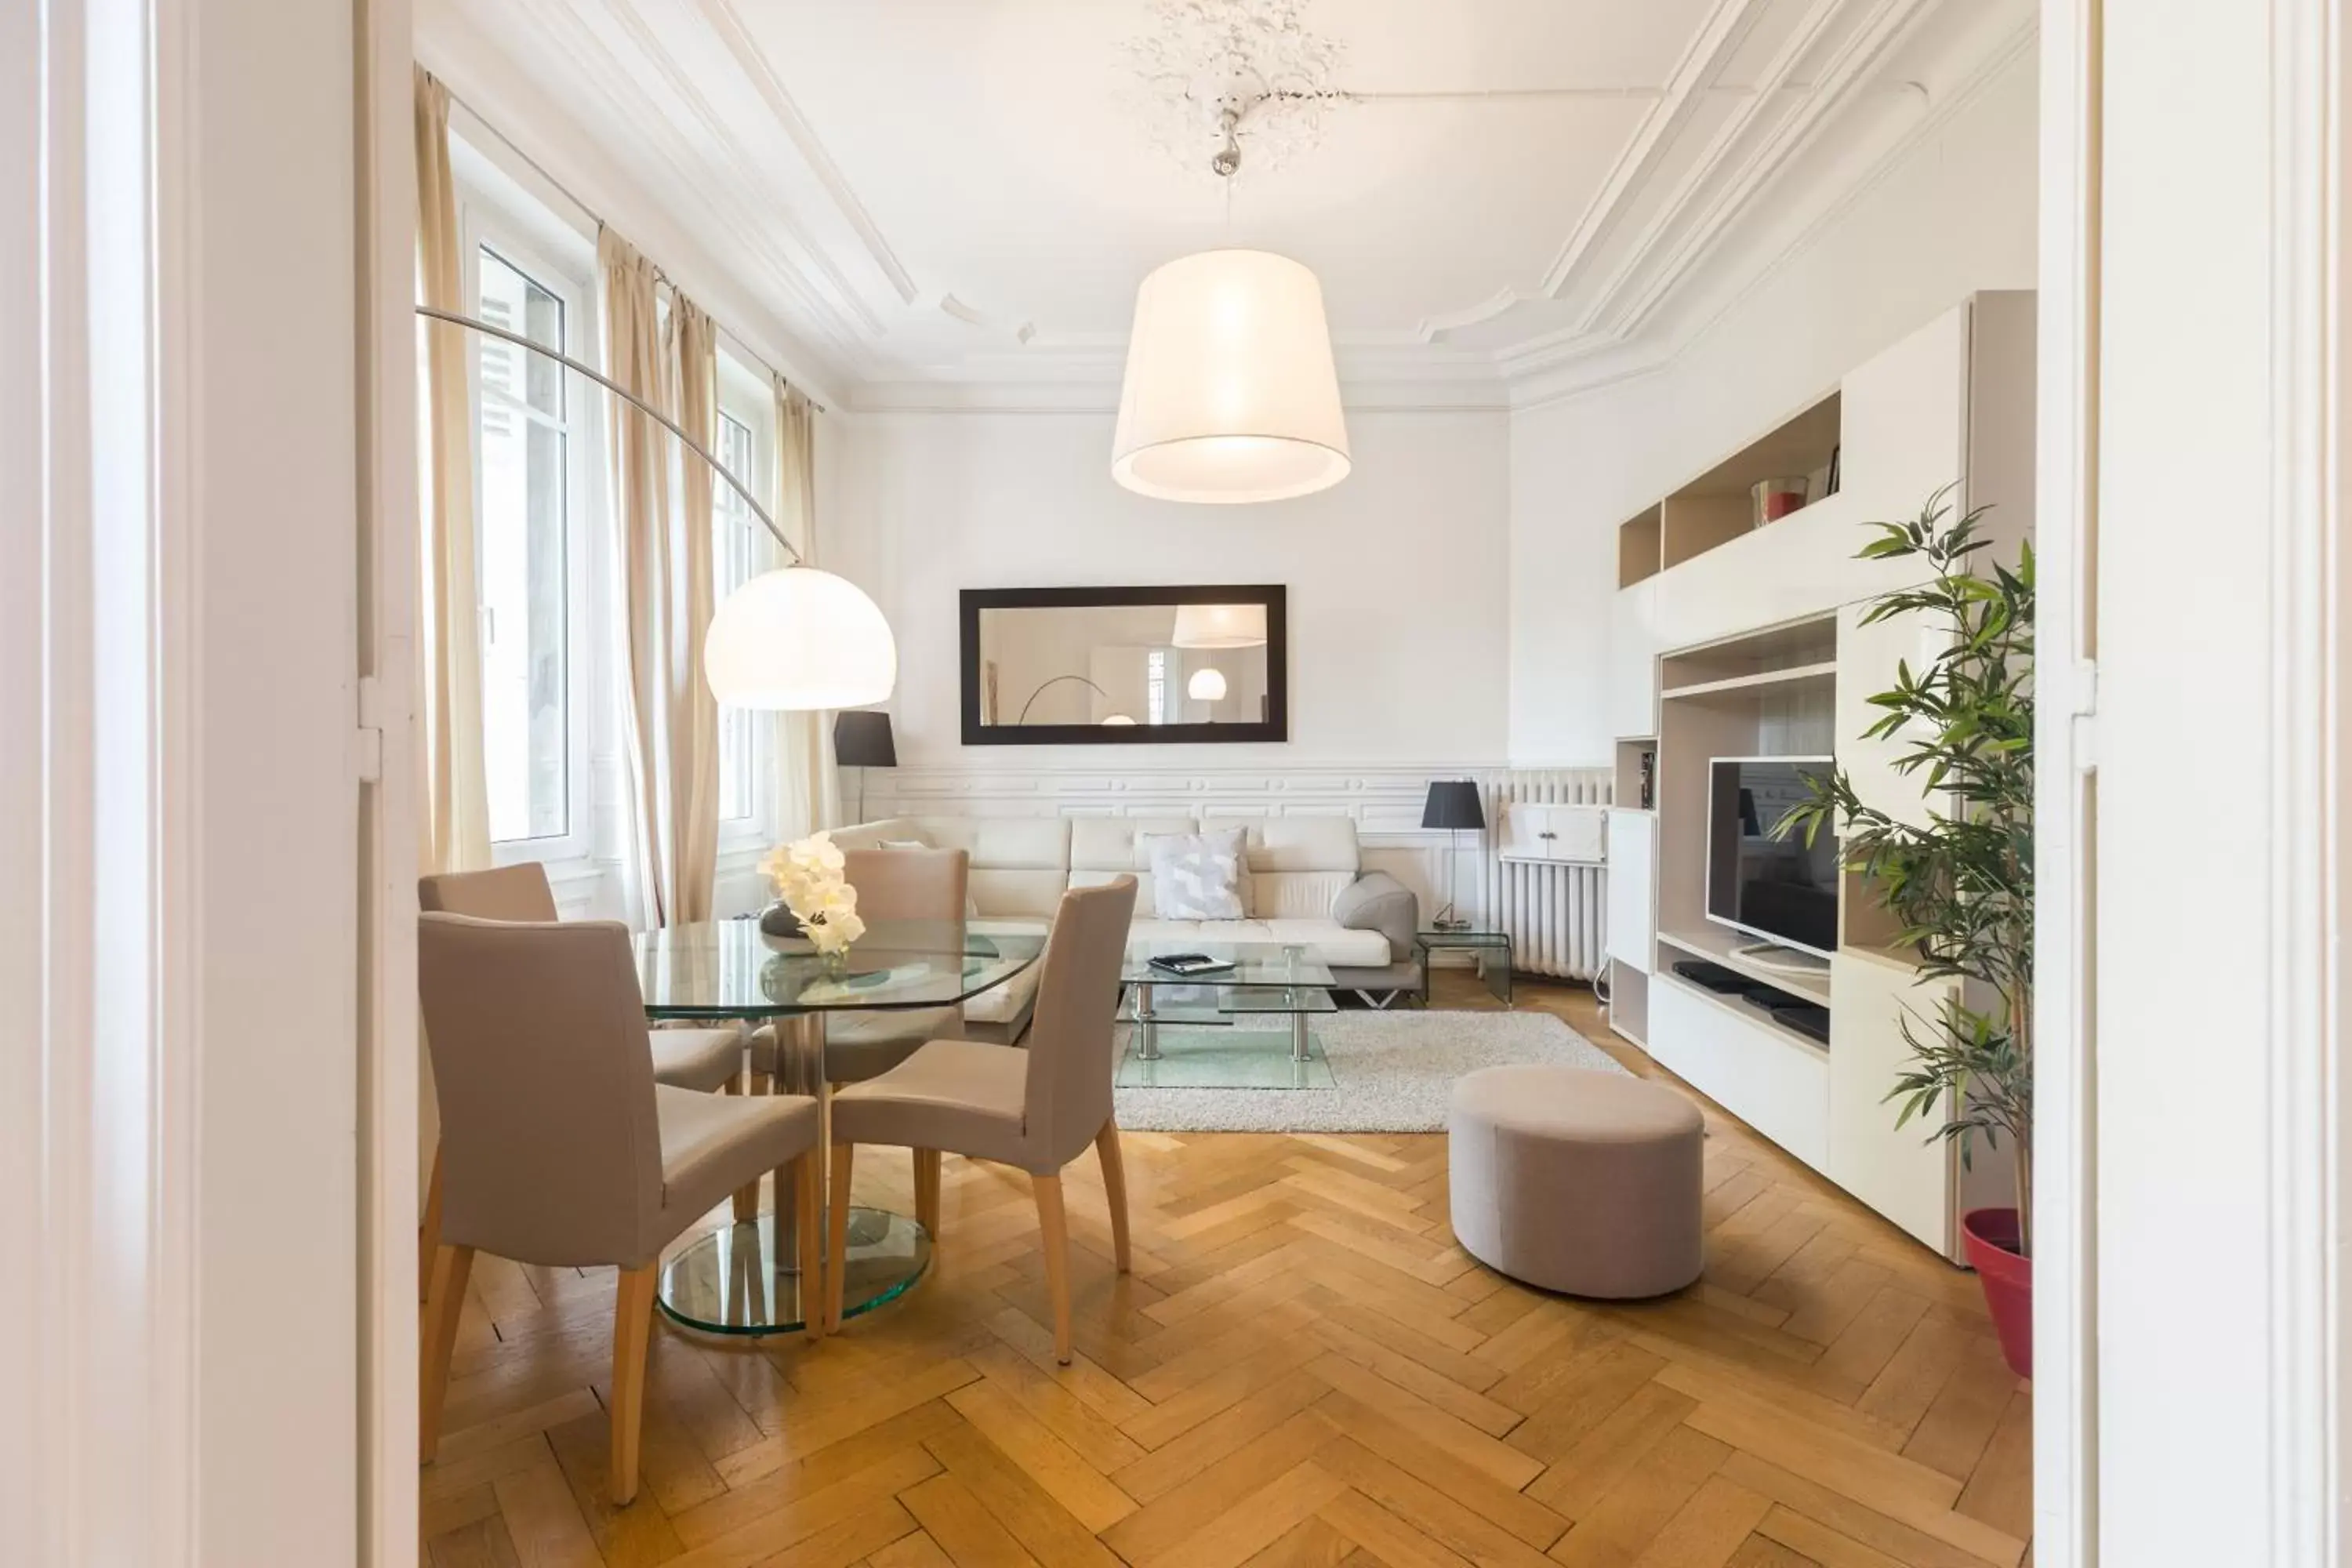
point(789, 640)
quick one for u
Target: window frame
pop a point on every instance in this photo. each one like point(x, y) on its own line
point(745, 397)
point(481, 223)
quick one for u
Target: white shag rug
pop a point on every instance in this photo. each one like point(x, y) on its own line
point(1392, 1072)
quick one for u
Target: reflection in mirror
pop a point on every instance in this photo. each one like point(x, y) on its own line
point(1111, 664)
point(1178, 664)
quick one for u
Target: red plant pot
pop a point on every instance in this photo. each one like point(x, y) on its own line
point(2007, 1275)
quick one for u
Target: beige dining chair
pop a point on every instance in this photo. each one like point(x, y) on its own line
point(559, 1149)
point(1035, 1109)
point(707, 1060)
point(891, 885)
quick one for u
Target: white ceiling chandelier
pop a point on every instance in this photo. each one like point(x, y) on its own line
point(1230, 392)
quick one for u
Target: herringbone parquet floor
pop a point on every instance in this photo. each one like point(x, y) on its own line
point(1302, 1369)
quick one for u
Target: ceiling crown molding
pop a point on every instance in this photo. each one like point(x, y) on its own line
point(1793, 102)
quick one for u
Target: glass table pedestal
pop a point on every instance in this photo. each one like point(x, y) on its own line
point(743, 1279)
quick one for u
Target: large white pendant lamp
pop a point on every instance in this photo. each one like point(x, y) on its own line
point(799, 639)
point(1229, 393)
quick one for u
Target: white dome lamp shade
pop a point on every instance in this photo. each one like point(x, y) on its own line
point(1219, 626)
point(1206, 686)
point(1231, 394)
point(798, 639)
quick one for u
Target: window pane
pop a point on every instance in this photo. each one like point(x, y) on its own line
point(735, 554)
point(520, 539)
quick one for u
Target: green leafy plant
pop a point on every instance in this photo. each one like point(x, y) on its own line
point(1962, 887)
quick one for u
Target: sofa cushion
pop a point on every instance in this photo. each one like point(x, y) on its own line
point(1197, 875)
point(1295, 843)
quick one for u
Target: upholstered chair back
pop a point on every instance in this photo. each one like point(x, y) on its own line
point(508, 893)
point(1070, 1066)
point(907, 884)
point(551, 1150)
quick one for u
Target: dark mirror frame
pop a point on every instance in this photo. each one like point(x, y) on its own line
point(1275, 726)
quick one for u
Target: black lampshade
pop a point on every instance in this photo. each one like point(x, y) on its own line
point(1452, 804)
point(862, 740)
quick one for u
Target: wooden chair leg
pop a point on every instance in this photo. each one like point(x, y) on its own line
point(428, 1232)
point(927, 1190)
point(633, 1321)
point(816, 1294)
point(836, 1232)
point(1055, 1226)
point(1114, 1175)
point(451, 1267)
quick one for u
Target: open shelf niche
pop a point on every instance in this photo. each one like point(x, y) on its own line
point(1641, 547)
point(1770, 693)
point(1719, 506)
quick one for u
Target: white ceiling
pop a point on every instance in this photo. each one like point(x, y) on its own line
point(928, 191)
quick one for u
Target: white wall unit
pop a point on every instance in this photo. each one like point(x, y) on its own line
point(1632, 868)
point(1761, 651)
point(1769, 1078)
point(1901, 1173)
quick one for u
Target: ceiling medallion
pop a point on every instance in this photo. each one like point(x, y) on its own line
point(1223, 83)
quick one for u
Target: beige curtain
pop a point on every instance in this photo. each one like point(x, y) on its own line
point(661, 500)
point(808, 785)
point(454, 835)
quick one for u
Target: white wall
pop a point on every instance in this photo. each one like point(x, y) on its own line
point(1397, 577)
point(1955, 215)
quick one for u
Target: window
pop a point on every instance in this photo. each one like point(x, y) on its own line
point(737, 553)
point(521, 538)
point(1155, 686)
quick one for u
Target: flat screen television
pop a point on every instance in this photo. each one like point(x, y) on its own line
point(1781, 890)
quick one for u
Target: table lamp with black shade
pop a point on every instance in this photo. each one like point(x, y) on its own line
point(1454, 805)
point(862, 740)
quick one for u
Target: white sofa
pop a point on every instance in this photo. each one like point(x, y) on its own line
point(1305, 885)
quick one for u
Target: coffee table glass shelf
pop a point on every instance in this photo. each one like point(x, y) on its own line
point(1245, 1028)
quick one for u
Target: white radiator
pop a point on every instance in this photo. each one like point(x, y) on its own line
point(1556, 915)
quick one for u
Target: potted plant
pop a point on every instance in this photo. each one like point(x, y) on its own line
point(1962, 887)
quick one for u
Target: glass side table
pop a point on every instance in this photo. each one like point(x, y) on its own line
point(1492, 949)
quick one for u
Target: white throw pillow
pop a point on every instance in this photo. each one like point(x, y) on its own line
point(1198, 876)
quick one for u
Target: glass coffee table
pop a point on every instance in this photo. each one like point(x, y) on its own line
point(1249, 1026)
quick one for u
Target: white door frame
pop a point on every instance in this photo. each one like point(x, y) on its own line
point(2065, 504)
point(2193, 890)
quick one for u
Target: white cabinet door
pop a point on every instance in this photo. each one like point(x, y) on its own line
point(1633, 661)
point(1632, 901)
point(1903, 1173)
point(1567, 835)
point(1521, 834)
point(1904, 420)
point(1869, 660)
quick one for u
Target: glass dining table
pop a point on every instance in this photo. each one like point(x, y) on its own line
point(743, 1278)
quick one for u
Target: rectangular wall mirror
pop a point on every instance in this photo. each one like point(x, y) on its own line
point(1124, 665)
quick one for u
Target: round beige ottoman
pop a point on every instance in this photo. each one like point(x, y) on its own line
point(1586, 1183)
